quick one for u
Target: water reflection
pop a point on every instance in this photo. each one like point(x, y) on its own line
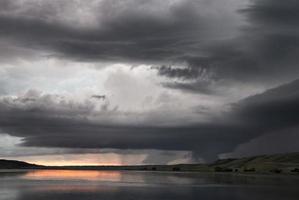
point(73, 175)
point(125, 185)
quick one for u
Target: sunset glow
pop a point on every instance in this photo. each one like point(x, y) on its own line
point(74, 175)
point(103, 159)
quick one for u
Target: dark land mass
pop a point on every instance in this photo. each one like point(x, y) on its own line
point(264, 164)
point(13, 164)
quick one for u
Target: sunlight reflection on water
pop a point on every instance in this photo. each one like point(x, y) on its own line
point(73, 175)
point(125, 185)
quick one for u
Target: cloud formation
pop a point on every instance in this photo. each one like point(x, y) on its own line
point(132, 31)
point(173, 75)
point(264, 52)
point(51, 121)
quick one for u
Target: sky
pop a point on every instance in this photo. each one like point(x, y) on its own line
point(110, 82)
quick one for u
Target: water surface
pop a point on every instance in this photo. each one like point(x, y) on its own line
point(134, 185)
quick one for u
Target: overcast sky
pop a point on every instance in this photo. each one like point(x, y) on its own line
point(147, 81)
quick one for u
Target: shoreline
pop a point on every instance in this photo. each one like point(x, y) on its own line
point(293, 175)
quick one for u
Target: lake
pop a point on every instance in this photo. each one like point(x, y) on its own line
point(137, 185)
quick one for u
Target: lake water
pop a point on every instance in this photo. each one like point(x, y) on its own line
point(131, 185)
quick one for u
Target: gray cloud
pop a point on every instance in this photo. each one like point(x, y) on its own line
point(48, 122)
point(155, 32)
point(203, 87)
point(265, 51)
point(184, 73)
point(130, 31)
point(213, 40)
point(99, 97)
point(283, 141)
point(276, 108)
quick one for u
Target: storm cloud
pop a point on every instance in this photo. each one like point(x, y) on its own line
point(264, 52)
point(44, 121)
point(131, 31)
point(254, 41)
point(200, 76)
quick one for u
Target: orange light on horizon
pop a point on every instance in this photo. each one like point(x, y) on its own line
point(72, 163)
point(103, 159)
point(73, 175)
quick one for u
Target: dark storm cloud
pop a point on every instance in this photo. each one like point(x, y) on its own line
point(196, 77)
point(203, 87)
point(99, 97)
point(272, 38)
point(273, 143)
point(275, 109)
point(184, 73)
point(266, 50)
point(193, 32)
point(47, 122)
point(130, 35)
point(274, 12)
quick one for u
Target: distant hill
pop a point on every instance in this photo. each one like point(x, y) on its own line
point(283, 159)
point(264, 164)
point(12, 164)
point(278, 163)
